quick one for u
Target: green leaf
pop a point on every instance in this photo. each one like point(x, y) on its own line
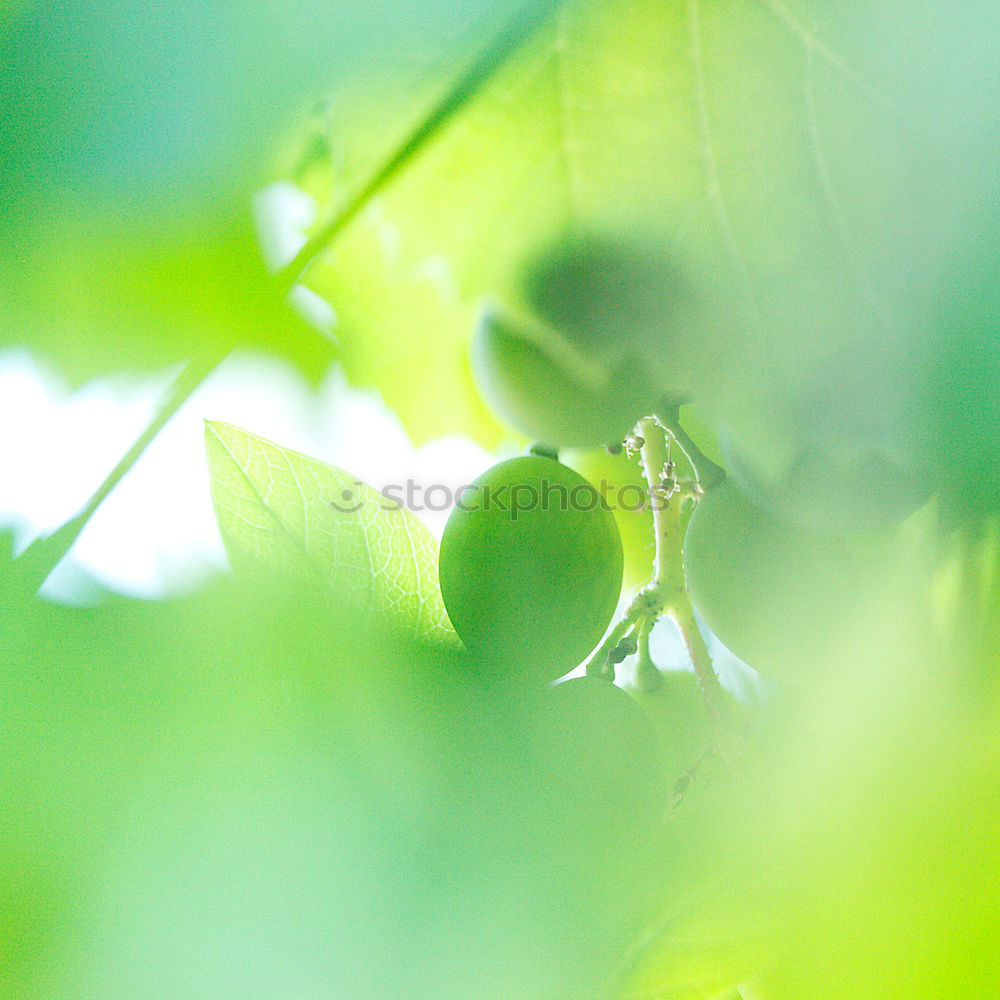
point(698, 957)
point(304, 518)
point(785, 162)
point(240, 792)
point(160, 104)
point(99, 293)
point(134, 139)
point(406, 331)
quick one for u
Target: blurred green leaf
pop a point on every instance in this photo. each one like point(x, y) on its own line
point(100, 291)
point(148, 103)
point(134, 138)
point(405, 330)
point(280, 788)
point(700, 956)
point(308, 519)
point(243, 794)
point(866, 848)
point(959, 420)
point(784, 161)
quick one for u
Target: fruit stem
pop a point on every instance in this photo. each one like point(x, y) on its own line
point(666, 594)
point(600, 663)
point(668, 561)
point(655, 456)
point(647, 676)
point(681, 613)
point(706, 472)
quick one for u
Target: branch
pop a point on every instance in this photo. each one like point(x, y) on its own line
point(468, 86)
point(42, 556)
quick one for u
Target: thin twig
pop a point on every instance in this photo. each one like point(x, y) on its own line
point(471, 83)
point(42, 556)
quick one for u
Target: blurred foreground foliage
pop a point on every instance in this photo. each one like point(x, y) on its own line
point(262, 792)
point(135, 136)
point(255, 793)
point(784, 212)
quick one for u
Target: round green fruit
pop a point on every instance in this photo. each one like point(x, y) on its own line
point(778, 597)
point(538, 396)
point(624, 295)
point(837, 454)
point(611, 295)
point(620, 478)
point(531, 567)
point(681, 719)
point(837, 491)
point(607, 754)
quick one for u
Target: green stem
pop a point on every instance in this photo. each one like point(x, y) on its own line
point(706, 472)
point(647, 676)
point(668, 563)
point(599, 664)
point(654, 455)
point(42, 556)
point(475, 78)
point(667, 592)
point(682, 615)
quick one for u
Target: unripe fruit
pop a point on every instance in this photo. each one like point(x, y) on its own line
point(842, 491)
point(531, 568)
point(538, 396)
point(836, 453)
point(607, 753)
point(680, 716)
point(631, 506)
point(612, 296)
point(781, 599)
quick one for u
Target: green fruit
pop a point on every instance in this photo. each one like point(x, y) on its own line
point(536, 394)
point(840, 491)
point(624, 295)
point(611, 296)
point(838, 454)
point(778, 597)
point(531, 567)
point(681, 719)
point(607, 753)
point(620, 478)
